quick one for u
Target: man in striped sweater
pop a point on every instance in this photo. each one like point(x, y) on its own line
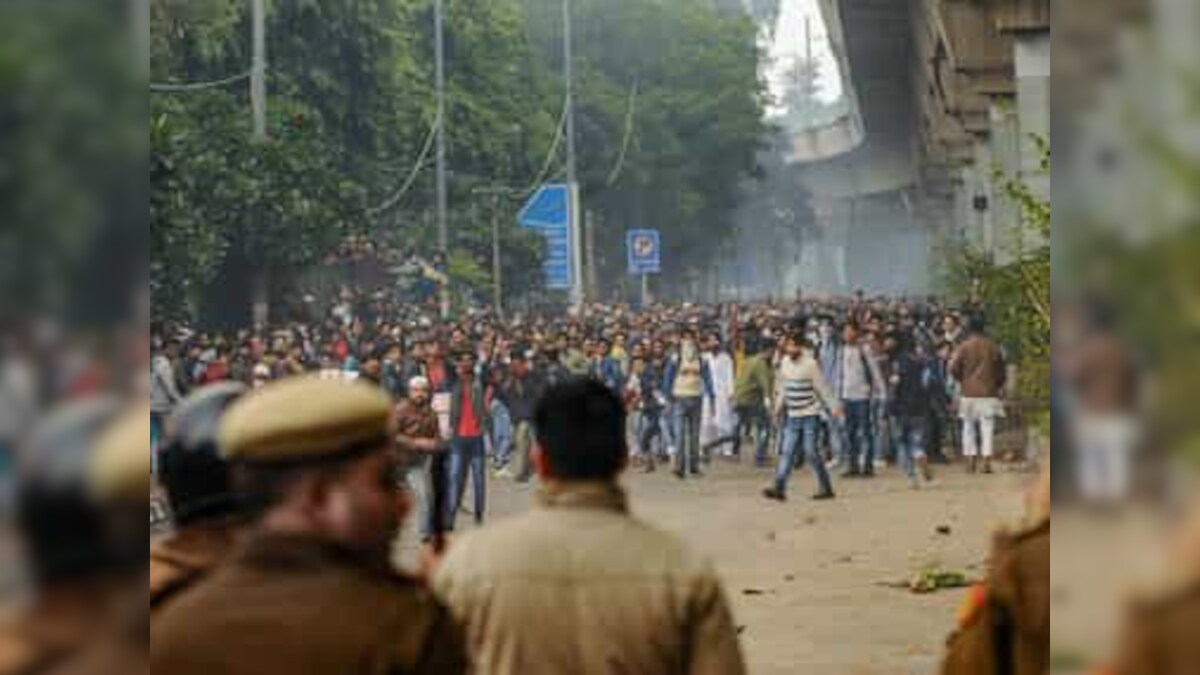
point(802, 393)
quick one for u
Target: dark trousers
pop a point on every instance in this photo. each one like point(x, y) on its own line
point(753, 419)
point(860, 451)
point(651, 428)
point(466, 454)
point(687, 434)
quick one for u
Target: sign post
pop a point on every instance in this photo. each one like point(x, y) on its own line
point(548, 212)
point(643, 250)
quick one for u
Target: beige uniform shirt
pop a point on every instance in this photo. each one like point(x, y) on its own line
point(579, 586)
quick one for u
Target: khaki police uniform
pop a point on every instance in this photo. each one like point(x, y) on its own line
point(579, 586)
point(186, 557)
point(297, 604)
point(1162, 634)
point(1004, 626)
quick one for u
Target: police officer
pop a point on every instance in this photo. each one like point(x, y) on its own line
point(1004, 625)
point(199, 493)
point(62, 528)
point(579, 585)
point(1160, 634)
point(120, 483)
point(311, 588)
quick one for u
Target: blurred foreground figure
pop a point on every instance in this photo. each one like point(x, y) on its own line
point(1004, 626)
point(1162, 636)
point(199, 491)
point(578, 585)
point(62, 526)
point(120, 479)
point(311, 590)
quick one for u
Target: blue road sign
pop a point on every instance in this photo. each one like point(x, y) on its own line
point(644, 250)
point(547, 212)
point(548, 207)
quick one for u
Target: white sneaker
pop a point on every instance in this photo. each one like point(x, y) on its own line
point(504, 472)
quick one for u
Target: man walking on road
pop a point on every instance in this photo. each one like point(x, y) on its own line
point(752, 400)
point(801, 394)
point(469, 425)
point(856, 377)
point(578, 585)
point(978, 367)
point(688, 382)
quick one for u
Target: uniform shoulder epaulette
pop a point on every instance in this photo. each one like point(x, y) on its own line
point(169, 574)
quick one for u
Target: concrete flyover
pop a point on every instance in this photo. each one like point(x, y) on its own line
point(940, 93)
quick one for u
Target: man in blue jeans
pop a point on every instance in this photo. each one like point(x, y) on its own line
point(801, 395)
point(855, 379)
point(469, 423)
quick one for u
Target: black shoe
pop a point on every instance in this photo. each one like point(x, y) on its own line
point(697, 473)
point(773, 494)
point(649, 468)
point(679, 474)
point(870, 473)
point(824, 496)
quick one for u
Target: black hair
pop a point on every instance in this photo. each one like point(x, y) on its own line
point(581, 428)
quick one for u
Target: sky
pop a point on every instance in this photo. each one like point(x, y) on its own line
point(789, 43)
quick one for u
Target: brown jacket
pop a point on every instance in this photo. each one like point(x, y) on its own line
point(1105, 376)
point(1163, 635)
point(978, 365)
point(55, 630)
point(1004, 628)
point(300, 606)
point(188, 556)
point(579, 586)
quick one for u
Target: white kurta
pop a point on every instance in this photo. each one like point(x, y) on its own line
point(718, 418)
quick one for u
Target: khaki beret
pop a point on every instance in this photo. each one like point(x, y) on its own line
point(120, 462)
point(305, 417)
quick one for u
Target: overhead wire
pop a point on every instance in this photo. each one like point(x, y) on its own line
point(412, 175)
point(550, 155)
point(629, 113)
point(169, 87)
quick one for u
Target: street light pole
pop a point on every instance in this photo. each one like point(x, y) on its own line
point(572, 178)
point(441, 199)
point(497, 280)
point(258, 70)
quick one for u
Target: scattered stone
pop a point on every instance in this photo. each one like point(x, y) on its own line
point(846, 559)
point(944, 530)
point(789, 577)
point(754, 591)
point(770, 536)
point(810, 520)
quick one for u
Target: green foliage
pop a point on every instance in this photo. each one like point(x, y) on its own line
point(351, 100)
point(1016, 296)
point(71, 141)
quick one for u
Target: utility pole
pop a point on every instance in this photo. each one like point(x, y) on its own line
point(141, 35)
point(440, 83)
point(497, 280)
point(589, 242)
point(577, 294)
point(258, 70)
point(261, 284)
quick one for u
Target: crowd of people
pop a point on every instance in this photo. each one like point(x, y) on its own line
point(845, 385)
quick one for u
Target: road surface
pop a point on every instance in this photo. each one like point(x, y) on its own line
point(806, 579)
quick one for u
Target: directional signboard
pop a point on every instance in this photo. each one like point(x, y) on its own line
point(644, 251)
point(548, 212)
